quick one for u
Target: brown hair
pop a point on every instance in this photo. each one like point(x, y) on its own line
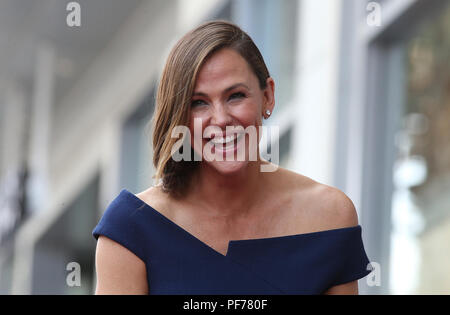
point(176, 87)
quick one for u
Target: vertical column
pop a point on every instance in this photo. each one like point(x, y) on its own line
point(12, 155)
point(12, 128)
point(318, 51)
point(40, 128)
point(37, 186)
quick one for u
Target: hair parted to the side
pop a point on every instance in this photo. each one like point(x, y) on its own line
point(176, 87)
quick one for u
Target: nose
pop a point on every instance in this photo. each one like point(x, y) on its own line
point(220, 116)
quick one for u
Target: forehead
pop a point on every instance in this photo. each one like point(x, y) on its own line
point(223, 67)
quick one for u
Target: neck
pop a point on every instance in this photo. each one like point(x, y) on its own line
point(227, 195)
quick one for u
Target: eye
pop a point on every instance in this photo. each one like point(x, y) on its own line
point(197, 103)
point(237, 95)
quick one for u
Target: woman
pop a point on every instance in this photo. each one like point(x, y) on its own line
point(223, 226)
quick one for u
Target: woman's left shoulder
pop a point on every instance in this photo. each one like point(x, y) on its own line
point(335, 205)
point(327, 207)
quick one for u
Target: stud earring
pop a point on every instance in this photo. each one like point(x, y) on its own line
point(267, 113)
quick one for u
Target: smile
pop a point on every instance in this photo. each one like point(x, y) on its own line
point(228, 141)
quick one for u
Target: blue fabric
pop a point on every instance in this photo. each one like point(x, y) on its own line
point(179, 263)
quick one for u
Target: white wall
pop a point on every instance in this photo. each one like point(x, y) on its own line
point(318, 48)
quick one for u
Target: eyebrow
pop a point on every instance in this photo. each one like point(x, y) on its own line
point(224, 91)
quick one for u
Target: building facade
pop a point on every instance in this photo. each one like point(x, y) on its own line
point(362, 104)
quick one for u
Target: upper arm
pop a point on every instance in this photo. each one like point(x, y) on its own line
point(340, 213)
point(346, 288)
point(119, 271)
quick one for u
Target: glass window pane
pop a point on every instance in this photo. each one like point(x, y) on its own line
point(421, 200)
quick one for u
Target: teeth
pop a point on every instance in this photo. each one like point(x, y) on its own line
point(227, 142)
point(222, 140)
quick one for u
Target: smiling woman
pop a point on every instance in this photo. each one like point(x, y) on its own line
point(232, 67)
point(214, 226)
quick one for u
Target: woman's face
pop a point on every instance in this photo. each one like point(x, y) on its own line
point(227, 94)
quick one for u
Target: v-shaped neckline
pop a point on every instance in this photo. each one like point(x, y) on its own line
point(230, 242)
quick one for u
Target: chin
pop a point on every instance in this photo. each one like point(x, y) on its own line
point(228, 167)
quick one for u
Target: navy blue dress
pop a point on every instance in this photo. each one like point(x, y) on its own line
point(179, 263)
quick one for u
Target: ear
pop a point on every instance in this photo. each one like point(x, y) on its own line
point(269, 96)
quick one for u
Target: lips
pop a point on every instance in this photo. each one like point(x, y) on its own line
point(228, 143)
point(223, 140)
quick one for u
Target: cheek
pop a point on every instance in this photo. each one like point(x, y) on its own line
point(196, 128)
point(249, 113)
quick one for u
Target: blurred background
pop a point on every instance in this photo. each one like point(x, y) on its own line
point(362, 102)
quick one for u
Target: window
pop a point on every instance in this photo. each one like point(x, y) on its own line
point(136, 157)
point(421, 199)
point(272, 26)
point(68, 239)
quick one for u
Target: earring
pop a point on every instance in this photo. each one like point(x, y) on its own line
point(267, 113)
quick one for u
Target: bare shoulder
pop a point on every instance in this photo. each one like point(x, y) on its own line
point(321, 206)
point(336, 206)
point(155, 197)
point(119, 271)
point(151, 194)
